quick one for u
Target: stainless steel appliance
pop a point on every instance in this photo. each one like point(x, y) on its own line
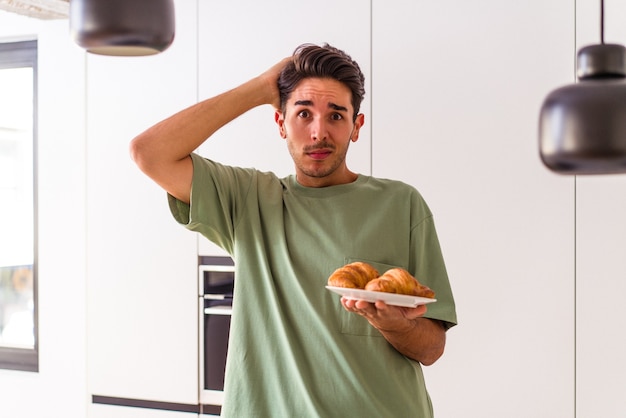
point(216, 276)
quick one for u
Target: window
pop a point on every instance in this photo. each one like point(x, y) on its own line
point(18, 206)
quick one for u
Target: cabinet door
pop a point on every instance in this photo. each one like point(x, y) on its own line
point(600, 264)
point(457, 92)
point(601, 343)
point(142, 303)
point(109, 411)
point(208, 248)
point(239, 40)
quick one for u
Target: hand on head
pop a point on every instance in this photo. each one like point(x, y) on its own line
point(270, 77)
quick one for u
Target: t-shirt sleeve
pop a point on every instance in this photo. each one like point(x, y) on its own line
point(217, 194)
point(431, 270)
point(429, 266)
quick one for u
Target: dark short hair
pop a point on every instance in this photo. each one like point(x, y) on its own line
point(313, 61)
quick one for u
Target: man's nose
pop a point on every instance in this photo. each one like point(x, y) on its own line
point(318, 129)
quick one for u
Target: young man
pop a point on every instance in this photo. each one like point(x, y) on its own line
point(296, 349)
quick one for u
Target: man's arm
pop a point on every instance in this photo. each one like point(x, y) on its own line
point(421, 339)
point(162, 151)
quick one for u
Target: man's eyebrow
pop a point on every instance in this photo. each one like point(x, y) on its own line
point(337, 107)
point(330, 105)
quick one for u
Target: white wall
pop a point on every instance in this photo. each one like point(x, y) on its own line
point(535, 258)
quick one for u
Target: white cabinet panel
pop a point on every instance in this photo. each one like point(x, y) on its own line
point(208, 248)
point(457, 92)
point(111, 411)
point(601, 265)
point(600, 249)
point(601, 268)
point(240, 39)
point(142, 303)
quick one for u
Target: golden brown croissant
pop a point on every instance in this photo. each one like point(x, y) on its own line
point(399, 281)
point(354, 275)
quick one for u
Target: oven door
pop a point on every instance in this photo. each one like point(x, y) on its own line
point(216, 283)
point(216, 327)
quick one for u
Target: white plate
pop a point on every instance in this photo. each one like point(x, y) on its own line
point(389, 298)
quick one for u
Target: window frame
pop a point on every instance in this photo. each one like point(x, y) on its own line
point(17, 54)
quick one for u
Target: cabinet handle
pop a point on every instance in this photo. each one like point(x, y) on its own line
point(219, 310)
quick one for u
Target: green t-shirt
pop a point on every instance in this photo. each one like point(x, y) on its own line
point(294, 351)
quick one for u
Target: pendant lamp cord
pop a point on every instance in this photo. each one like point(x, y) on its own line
point(602, 22)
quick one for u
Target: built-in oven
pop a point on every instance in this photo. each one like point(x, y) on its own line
point(216, 277)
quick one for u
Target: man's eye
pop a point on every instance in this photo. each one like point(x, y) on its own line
point(336, 116)
point(303, 114)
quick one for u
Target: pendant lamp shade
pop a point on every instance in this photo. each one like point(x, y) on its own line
point(582, 127)
point(122, 27)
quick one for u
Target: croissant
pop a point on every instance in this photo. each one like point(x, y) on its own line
point(400, 281)
point(354, 275)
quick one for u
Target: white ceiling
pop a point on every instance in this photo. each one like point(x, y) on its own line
point(39, 9)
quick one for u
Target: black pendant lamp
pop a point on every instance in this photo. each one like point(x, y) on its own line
point(582, 127)
point(122, 27)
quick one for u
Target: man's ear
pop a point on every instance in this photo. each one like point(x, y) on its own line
point(358, 123)
point(280, 121)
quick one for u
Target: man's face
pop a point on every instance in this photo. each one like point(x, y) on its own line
point(318, 127)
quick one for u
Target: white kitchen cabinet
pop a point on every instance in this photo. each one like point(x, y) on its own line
point(457, 95)
point(240, 39)
point(142, 266)
point(601, 267)
point(457, 92)
point(109, 411)
point(208, 248)
point(600, 263)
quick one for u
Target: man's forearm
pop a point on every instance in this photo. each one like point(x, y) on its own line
point(422, 340)
point(162, 151)
point(177, 136)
